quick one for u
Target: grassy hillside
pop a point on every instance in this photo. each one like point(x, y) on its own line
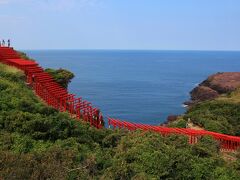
point(219, 115)
point(38, 142)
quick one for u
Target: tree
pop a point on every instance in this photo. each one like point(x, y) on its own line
point(61, 76)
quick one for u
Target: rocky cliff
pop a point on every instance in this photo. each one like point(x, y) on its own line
point(214, 86)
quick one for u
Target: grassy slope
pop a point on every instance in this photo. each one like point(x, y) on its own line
point(220, 115)
point(37, 141)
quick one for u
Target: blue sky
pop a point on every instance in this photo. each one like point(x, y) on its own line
point(121, 24)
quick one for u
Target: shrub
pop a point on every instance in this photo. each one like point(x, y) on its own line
point(61, 76)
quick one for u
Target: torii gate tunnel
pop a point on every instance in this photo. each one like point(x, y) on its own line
point(226, 142)
point(59, 98)
point(51, 92)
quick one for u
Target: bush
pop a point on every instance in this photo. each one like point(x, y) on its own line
point(61, 76)
point(218, 116)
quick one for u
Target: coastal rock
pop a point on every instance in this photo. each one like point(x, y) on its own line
point(223, 82)
point(188, 103)
point(202, 93)
point(215, 85)
point(172, 118)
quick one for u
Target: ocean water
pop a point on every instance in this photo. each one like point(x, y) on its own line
point(138, 86)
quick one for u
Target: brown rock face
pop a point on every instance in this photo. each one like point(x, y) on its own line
point(215, 85)
point(202, 93)
point(172, 118)
point(223, 82)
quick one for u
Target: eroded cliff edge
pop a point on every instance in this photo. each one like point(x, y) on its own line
point(214, 105)
point(214, 86)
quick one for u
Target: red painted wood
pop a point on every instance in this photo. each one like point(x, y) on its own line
point(50, 91)
point(58, 97)
point(226, 142)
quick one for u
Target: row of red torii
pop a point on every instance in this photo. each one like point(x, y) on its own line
point(226, 142)
point(51, 92)
point(56, 96)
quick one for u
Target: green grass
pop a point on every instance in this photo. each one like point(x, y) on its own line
point(10, 70)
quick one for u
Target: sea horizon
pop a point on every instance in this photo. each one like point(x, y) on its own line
point(135, 85)
point(177, 50)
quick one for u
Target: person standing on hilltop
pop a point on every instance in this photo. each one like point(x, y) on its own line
point(9, 43)
point(3, 42)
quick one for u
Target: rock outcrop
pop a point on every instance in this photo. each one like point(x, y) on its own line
point(170, 119)
point(214, 86)
point(202, 93)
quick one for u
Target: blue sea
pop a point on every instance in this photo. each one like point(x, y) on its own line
point(135, 85)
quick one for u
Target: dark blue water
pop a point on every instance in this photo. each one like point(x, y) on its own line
point(139, 86)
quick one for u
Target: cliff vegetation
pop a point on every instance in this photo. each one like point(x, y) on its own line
point(61, 76)
point(214, 105)
point(38, 142)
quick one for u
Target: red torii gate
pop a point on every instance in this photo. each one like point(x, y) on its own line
point(227, 142)
point(51, 92)
point(56, 96)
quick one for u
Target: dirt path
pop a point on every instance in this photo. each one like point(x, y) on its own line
point(193, 126)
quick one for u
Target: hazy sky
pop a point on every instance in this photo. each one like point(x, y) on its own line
point(121, 24)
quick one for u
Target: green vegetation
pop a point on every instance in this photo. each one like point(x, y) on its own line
point(62, 76)
point(219, 115)
point(180, 122)
point(38, 142)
